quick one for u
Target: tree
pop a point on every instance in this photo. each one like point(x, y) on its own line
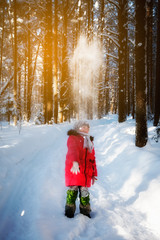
point(55, 61)
point(65, 84)
point(48, 82)
point(141, 119)
point(122, 22)
point(1, 60)
point(101, 82)
point(29, 86)
point(15, 62)
point(44, 76)
point(90, 38)
point(149, 56)
point(157, 89)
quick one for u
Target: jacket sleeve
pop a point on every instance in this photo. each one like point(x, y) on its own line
point(94, 164)
point(73, 150)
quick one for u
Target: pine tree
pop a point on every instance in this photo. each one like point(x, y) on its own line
point(157, 94)
point(15, 62)
point(29, 76)
point(122, 21)
point(55, 61)
point(141, 119)
point(64, 88)
point(149, 56)
point(101, 83)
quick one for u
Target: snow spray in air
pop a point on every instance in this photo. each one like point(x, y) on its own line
point(86, 65)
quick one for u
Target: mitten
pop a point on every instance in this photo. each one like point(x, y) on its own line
point(75, 168)
point(93, 179)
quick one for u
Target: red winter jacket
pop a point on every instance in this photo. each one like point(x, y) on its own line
point(86, 160)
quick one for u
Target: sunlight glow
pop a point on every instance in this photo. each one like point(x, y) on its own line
point(85, 67)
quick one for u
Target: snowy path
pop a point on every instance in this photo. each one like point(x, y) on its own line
point(124, 200)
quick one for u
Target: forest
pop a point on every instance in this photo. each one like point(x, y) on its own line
point(74, 59)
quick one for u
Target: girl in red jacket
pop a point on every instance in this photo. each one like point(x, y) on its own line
point(80, 168)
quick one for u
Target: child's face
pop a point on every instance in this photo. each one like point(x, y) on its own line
point(84, 129)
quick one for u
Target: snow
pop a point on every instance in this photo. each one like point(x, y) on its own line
point(124, 200)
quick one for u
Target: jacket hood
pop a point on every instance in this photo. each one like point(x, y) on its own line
point(73, 132)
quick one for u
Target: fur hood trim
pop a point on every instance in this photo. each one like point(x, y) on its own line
point(73, 132)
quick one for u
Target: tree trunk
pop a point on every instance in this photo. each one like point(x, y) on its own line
point(141, 119)
point(90, 37)
point(127, 65)
point(45, 82)
point(55, 62)
point(15, 62)
point(157, 94)
point(133, 87)
point(149, 56)
point(48, 49)
point(1, 61)
point(64, 88)
point(19, 102)
point(122, 59)
point(25, 81)
point(29, 71)
point(101, 85)
point(107, 102)
point(48, 75)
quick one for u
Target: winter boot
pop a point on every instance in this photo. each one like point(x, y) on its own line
point(85, 210)
point(70, 210)
point(70, 203)
point(85, 206)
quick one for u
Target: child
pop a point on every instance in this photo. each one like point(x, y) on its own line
point(80, 168)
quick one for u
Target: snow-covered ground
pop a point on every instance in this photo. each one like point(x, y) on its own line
point(125, 200)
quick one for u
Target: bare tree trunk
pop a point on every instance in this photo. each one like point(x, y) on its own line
point(48, 65)
point(133, 88)
point(90, 37)
point(55, 62)
point(1, 61)
point(29, 88)
point(122, 60)
point(19, 102)
point(141, 119)
point(25, 81)
point(15, 62)
point(44, 83)
point(157, 94)
point(149, 56)
point(107, 102)
point(128, 83)
point(101, 86)
point(64, 88)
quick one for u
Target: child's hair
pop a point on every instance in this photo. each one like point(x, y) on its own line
point(80, 123)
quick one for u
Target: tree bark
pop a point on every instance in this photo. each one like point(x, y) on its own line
point(90, 37)
point(141, 119)
point(1, 61)
point(157, 94)
point(64, 88)
point(149, 56)
point(101, 94)
point(15, 62)
point(29, 77)
point(122, 60)
point(55, 62)
point(49, 48)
